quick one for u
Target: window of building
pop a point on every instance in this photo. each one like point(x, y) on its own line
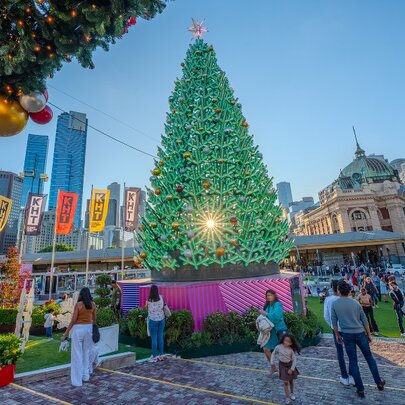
point(358, 215)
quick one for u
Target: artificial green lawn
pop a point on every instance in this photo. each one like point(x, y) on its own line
point(42, 353)
point(384, 316)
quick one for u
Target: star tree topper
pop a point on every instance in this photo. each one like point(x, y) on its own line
point(198, 29)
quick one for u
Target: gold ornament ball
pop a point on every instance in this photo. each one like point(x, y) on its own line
point(153, 225)
point(218, 110)
point(156, 172)
point(186, 155)
point(245, 124)
point(138, 262)
point(143, 255)
point(141, 227)
point(13, 118)
point(158, 191)
point(220, 251)
point(161, 163)
point(206, 185)
point(233, 242)
point(175, 226)
point(169, 197)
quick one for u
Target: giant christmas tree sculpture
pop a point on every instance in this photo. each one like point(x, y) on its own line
point(212, 207)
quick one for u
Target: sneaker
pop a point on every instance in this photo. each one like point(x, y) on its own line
point(153, 359)
point(344, 381)
point(288, 401)
point(403, 334)
point(376, 334)
point(351, 381)
point(293, 397)
point(361, 394)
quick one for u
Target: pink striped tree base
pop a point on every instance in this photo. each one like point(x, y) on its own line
point(236, 295)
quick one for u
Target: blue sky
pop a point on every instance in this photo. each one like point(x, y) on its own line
point(304, 71)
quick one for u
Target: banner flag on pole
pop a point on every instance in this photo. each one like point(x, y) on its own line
point(34, 213)
point(98, 209)
point(131, 206)
point(65, 212)
point(5, 208)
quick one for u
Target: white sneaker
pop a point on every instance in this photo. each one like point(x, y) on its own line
point(403, 334)
point(288, 401)
point(344, 381)
point(153, 359)
point(293, 397)
point(351, 381)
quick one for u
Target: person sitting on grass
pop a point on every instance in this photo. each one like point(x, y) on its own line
point(286, 352)
point(355, 331)
point(49, 321)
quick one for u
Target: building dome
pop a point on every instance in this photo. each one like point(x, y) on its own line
point(396, 163)
point(364, 169)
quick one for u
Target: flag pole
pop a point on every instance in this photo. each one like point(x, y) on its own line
point(53, 248)
point(88, 240)
point(122, 240)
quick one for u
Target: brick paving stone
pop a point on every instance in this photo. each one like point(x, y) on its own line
point(317, 384)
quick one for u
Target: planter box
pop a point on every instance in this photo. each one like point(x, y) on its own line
point(134, 341)
point(7, 375)
point(213, 350)
point(108, 339)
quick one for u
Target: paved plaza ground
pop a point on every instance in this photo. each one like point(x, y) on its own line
point(231, 379)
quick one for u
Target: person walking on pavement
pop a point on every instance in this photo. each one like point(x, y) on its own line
point(355, 331)
point(115, 297)
point(84, 315)
point(345, 378)
point(398, 302)
point(367, 304)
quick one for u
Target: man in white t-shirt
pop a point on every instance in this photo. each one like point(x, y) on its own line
point(345, 378)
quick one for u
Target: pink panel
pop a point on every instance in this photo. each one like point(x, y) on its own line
point(242, 294)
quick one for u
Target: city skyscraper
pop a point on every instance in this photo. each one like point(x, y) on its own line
point(69, 158)
point(284, 194)
point(11, 186)
point(34, 165)
point(113, 215)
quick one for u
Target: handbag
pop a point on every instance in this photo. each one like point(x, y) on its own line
point(166, 311)
point(95, 333)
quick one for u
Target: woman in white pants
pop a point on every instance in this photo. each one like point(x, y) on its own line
point(81, 325)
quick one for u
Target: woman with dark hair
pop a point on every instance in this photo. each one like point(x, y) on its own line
point(81, 325)
point(156, 322)
point(274, 311)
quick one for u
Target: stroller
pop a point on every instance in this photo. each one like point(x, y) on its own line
point(323, 294)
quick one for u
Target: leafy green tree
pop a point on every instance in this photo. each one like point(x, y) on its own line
point(59, 247)
point(212, 202)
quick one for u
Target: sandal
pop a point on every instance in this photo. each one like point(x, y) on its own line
point(380, 386)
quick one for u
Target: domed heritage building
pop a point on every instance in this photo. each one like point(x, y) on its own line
point(368, 195)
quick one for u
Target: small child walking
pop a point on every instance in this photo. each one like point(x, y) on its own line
point(48, 325)
point(286, 353)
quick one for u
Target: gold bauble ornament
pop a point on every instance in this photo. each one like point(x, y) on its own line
point(220, 251)
point(138, 262)
point(13, 118)
point(233, 242)
point(143, 255)
point(158, 191)
point(141, 227)
point(176, 226)
point(186, 155)
point(156, 172)
point(206, 185)
point(218, 110)
point(153, 224)
point(169, 197)
point(161, 163)
point(245, 124)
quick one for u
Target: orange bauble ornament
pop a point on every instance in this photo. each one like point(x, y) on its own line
point(13, 118)
point(206, 185)
point(143, 255)
point(138, 262)
point(220, 251)
point(218, 110)
point(233, 242)
point(158, 191)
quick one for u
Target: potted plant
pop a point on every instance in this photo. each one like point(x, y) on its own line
point(105, 317)
point(10, 351)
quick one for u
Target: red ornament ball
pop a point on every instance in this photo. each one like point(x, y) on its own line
point(131, 21)
point(42, 117)
point(233, 221)
point(179, 189)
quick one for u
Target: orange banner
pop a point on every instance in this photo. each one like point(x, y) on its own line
point(65, 212)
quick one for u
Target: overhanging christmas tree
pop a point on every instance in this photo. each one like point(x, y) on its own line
point(212, 206)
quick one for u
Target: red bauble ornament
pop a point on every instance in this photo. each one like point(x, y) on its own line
point(131, 21)
point(233, 221)
point(42, 117)
point(179, 189)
